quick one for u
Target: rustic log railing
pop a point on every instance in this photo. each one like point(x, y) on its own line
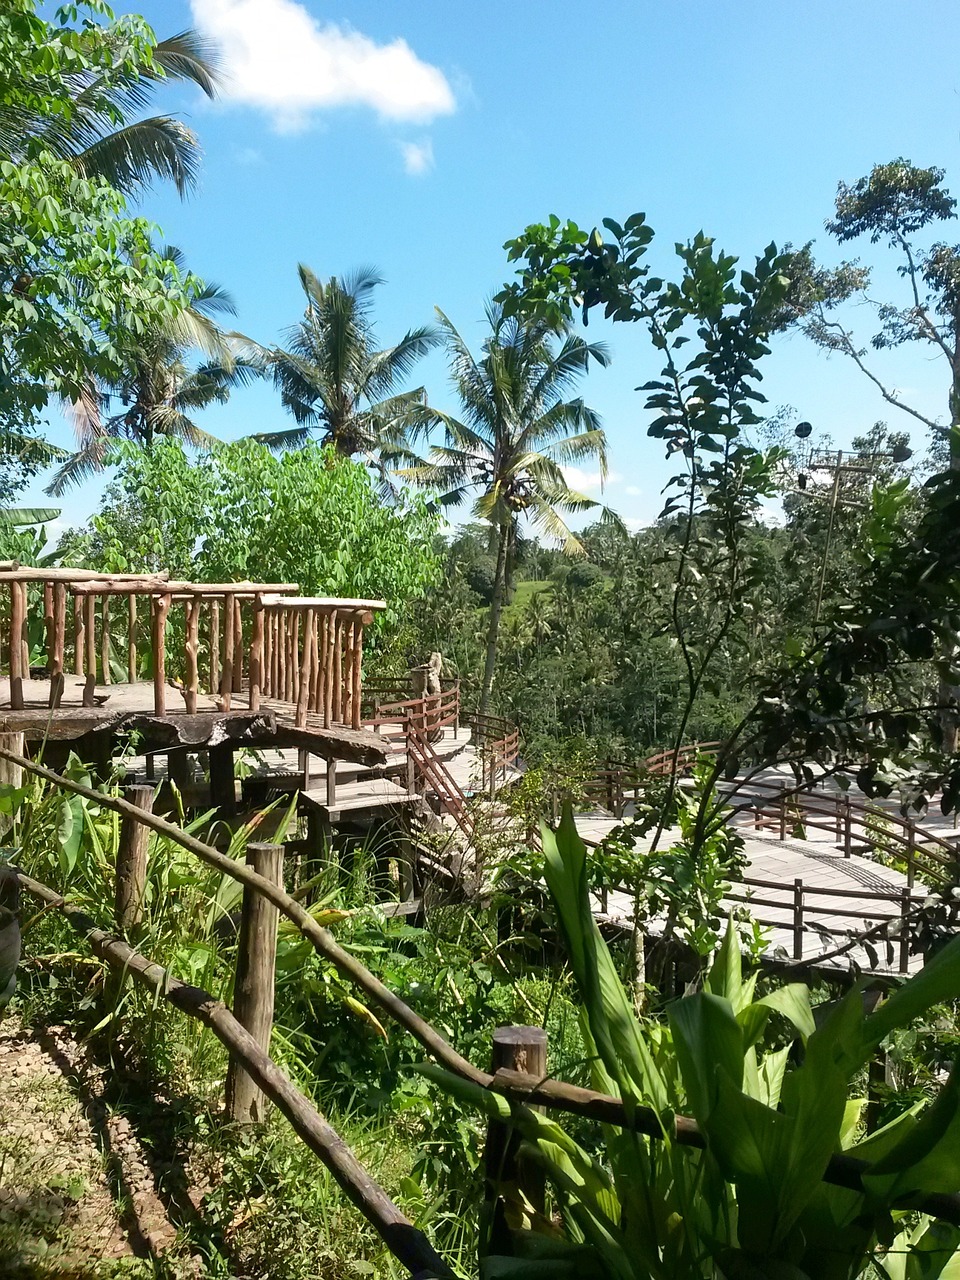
point(237, 642)
point(401, 1237)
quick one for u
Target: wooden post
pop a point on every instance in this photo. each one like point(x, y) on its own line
point(90, 634)
point(515, 1049)
point(268, 655)
point(214, 645)
point(313, 703)
point(911, 850)
point(306, 662)
point(905, 903)
point(798, 919)
point(296, 659)
point(161, 607)
point(17, 622)
point(132, 671)
point(237, 646)
point(223, 787)
point(105, 638)
point(132, 861)
point(783, 813)
point(79, 639)
point(191, 648)
point(256, 654)
point(48, 625)
point(847, 827)
point(326, 669)
point(253, 992)
point(229, 640)
point(336, 631)
point(331, 784)
point(11, 774)
point(358, 675)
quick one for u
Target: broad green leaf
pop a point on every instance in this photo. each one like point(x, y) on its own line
point(937, 981)
point(708, 1042)
point(793, 1001)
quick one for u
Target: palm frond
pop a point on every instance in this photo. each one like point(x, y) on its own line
point(190, 56)
point(132, 157)
point(279, 441)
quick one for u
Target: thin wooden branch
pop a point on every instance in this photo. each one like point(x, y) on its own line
point(402, 1238)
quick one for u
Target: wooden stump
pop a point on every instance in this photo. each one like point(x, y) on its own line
point(516, 1049)
point(132, 862)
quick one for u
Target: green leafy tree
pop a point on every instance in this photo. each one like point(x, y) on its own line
point(334, 380)
point(78, 275)
point(898, 205)
point(111, 71)
point(307, 516)
point(159, 391)
point(509, 449)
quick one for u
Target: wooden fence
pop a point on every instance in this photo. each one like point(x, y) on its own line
point(238, 642)
point(249, 1054)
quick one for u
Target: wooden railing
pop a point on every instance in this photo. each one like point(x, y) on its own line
point(236, 641)
point(309, 652)
point(856, 825)
point(498, 743)
point(250, 1053)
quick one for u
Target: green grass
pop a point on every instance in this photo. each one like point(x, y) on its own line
point(523, 594)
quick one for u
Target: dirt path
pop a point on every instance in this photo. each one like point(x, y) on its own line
point(81, 1196)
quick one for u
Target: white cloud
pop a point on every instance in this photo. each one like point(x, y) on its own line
point(279, 59)
point(583, 481)
point(635, 523)
point(417, 157)
point(633, 490)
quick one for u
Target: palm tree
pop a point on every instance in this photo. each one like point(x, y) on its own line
point(99, 134)
point(333, 379)
point(159, 391)
point(515, 436)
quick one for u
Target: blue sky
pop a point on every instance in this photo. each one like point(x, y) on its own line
point(418, 137)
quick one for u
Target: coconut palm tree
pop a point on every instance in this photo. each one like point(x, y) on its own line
point(160, 391)
point(101, 135)
point(333, 379)
point(509, 448)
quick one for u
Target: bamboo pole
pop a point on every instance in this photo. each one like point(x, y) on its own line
point(403, 1239)
point(256, 654)
point(229, 641)
point(105, 638)
point(17, 621)
point(161, 607)
point(132, 671)
point(254, 984)
point(191, 680)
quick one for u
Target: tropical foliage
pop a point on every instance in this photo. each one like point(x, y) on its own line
point(510, 447)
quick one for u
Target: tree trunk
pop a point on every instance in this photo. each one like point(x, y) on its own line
point(949, 694)
point(496, 608)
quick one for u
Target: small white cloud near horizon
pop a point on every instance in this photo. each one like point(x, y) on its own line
point(417, 157)
point(582, 480)
point(635, 523)
point(280, 59)
point(634, 490)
